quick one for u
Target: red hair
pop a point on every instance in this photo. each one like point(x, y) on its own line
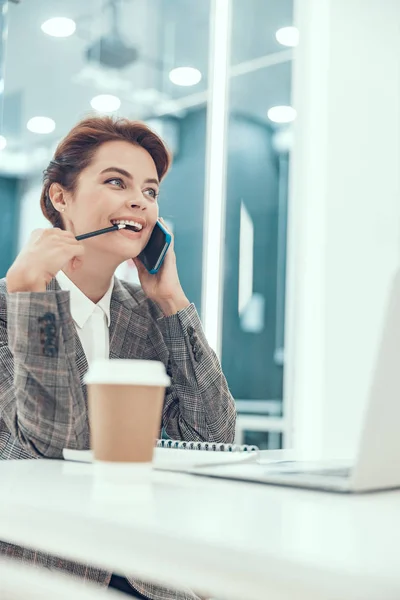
point(76, 151)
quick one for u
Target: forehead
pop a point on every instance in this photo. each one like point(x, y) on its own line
point(134, 159)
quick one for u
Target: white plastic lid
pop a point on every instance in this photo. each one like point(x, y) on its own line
point(127, 372)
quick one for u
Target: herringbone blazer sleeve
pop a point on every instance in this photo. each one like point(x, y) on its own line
point(39, 383)
point(198, 404)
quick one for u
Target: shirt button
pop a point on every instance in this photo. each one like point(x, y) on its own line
point(190, 330)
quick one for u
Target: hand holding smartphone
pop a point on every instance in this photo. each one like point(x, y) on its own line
point(152, 256)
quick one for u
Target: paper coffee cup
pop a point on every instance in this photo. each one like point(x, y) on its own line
point(126, 398)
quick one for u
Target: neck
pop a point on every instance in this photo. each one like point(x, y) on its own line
point(92, 277)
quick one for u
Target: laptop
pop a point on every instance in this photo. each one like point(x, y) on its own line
point(377, 462)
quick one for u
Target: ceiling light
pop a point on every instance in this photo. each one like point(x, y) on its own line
point(105, 103)
point(282, 114)
point(3, 142)
point(59, 27)
point(288, 36)
point(185, 76)
point(41, 125)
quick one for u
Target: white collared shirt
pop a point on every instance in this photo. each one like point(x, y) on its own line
point(92, 321)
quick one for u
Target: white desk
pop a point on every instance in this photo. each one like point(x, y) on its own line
point(234, 540)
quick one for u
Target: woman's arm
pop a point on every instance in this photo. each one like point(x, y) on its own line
point(41, 399)
point(198, 404)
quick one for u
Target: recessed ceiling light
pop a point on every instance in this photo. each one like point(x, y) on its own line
point(185, 76)
point(3, 142)
point(288, 36)
point(59, 27)
point(105, 103)
point(282, 114)
point(41, 125)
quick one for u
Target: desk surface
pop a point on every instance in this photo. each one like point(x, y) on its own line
point(234, 540)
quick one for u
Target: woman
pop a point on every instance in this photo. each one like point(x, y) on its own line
point(61, 307)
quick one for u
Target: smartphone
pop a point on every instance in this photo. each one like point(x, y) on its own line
point(154, 253)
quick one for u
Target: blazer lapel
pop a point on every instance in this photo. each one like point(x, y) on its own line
point(81, 361)
point(128, 327)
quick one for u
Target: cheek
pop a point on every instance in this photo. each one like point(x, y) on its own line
point(153, 213)
point(94, 203)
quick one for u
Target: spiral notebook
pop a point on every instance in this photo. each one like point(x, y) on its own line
point(173, 455)
point(206, 446)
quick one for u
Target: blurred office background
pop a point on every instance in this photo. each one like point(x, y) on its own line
point(152, 60)
point(293, 295)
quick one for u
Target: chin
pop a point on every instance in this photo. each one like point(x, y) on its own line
point(133, 251)
point(117, 252)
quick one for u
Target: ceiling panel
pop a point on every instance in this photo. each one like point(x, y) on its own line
point(53, 77)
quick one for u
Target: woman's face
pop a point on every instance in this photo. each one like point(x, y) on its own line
point(121, 183)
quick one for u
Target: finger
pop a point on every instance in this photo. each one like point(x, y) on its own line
point(169, 231)
point(60, 234)
point(74, 243)
point(76, 262)
point(70, 254)
point(71, 244)
point(70, 265)
point(167, 228)
point(58, 238)
point(67, 234)
point(171, 246)
point(52, 231)
point(165, 225)
point(170, 257)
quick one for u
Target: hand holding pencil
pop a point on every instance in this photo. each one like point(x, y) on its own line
point(46, 253)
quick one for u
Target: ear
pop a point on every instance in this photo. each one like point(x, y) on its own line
point(57, 197)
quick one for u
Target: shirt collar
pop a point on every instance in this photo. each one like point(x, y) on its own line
point(80, 305)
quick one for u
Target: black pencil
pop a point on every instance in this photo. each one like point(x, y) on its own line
point(85, 236)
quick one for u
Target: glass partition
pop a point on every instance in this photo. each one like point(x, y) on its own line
point(156, 60)
point(145, 60)
point(256, 211)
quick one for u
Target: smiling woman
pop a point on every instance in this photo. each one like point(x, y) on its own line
point(104, 172)
point(75, 153)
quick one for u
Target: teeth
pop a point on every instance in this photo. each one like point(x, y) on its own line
point(137, 226)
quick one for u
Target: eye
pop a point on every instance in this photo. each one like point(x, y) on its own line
point(116, 182)
point(152, 193)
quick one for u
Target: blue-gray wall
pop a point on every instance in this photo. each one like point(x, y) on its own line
point(182, 201)
point(9, 222)
point(248, 358)
point(253, 177)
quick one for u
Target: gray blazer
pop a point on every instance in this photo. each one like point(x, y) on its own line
point(43, 400)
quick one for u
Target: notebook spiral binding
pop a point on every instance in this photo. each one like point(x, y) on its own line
point(207, 446)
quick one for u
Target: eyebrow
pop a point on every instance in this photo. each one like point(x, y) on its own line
point(127, 174)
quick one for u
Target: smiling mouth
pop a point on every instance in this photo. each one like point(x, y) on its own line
point(131, 225)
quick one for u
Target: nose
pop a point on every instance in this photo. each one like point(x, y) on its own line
point(136, 200)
